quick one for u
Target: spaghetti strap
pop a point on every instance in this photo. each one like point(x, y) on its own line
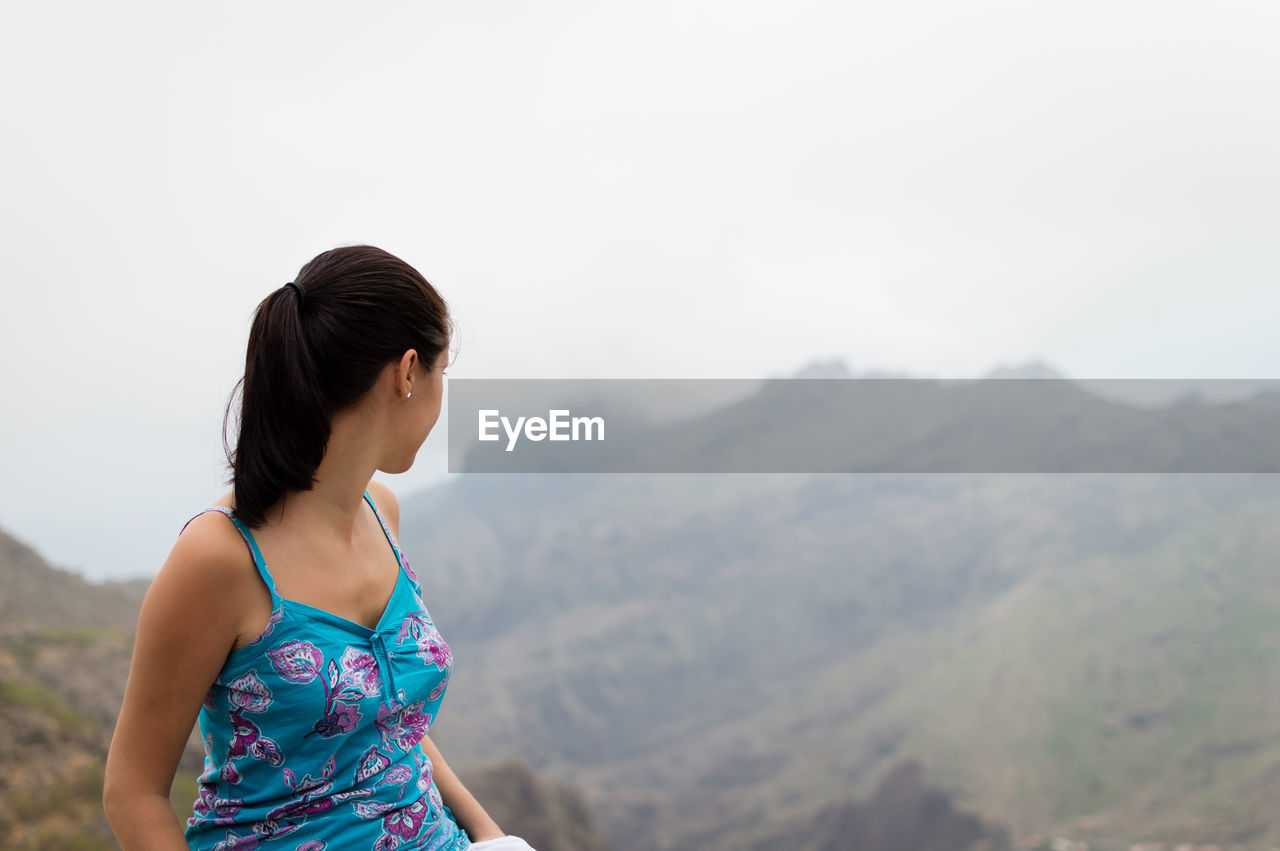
point(385, 528)
point(258, 561)
point(395, 547)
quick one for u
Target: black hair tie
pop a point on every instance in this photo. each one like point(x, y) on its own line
point(299, 289)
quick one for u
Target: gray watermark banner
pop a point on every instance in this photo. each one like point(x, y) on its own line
point(863, 425)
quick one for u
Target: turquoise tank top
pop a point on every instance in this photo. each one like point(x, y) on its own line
point(312, 732)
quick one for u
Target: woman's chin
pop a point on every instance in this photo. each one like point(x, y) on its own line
point(400, 466)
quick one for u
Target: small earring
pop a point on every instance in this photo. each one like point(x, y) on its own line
point(407, 395)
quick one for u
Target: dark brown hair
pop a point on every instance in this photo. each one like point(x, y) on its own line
point(316, 352)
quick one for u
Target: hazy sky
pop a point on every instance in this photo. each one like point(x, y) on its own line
point(605, 189)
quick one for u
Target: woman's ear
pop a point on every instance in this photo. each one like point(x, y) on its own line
point(404, 372)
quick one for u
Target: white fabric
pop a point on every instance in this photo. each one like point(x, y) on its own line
point(502, 843)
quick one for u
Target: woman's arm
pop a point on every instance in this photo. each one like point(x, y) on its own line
point(188, 623)
point(470, 815)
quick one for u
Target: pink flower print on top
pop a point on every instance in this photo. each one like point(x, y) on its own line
point(439, 689)
point(249, 740)
point(431, 645)
point(270, 828)
point(297, 661)
point(209, 804)
point(433, 793)
point(359, 675)
point(311, 796)
point(370, 810)
point(406, 822)
point(400, 775)
point(404, 726)
point(310, 804)
point(423, 769)
point(235, 842)
point(342, 719)
point(249, 692)
point(372, 762)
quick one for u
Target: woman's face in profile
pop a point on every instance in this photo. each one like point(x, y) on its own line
point(424, 405)
point(434, 392)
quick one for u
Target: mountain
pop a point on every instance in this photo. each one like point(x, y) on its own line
point(1149, 392)
point(548, 814)
point(64, 656)
point(904, 814)
point(834, 368)
point(37, 595)
point(1079, 654)
point(1137, 392)
point(1029, 369)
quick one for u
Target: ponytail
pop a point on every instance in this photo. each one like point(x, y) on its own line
point(311, 356)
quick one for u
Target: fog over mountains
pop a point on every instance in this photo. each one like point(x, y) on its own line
point(1055, 651)
point(1089, 654)
point(907, 661)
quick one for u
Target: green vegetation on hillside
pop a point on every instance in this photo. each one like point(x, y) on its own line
point(43, 700)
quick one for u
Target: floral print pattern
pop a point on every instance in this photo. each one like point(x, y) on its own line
point(431, 647)
point(297, 661)
point(217, 810)
point(312, 732)
point(359, 673)
point(248, 739)
point(402, 728)
point(249, 692)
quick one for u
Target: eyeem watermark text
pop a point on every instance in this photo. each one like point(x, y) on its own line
point(536, 428)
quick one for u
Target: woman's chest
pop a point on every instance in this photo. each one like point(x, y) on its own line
point(316, 676)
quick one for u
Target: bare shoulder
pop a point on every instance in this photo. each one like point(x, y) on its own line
point(388, 506)
point(211, 541)
point(212, 559)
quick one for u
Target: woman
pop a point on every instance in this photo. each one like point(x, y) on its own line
point(286, 618)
